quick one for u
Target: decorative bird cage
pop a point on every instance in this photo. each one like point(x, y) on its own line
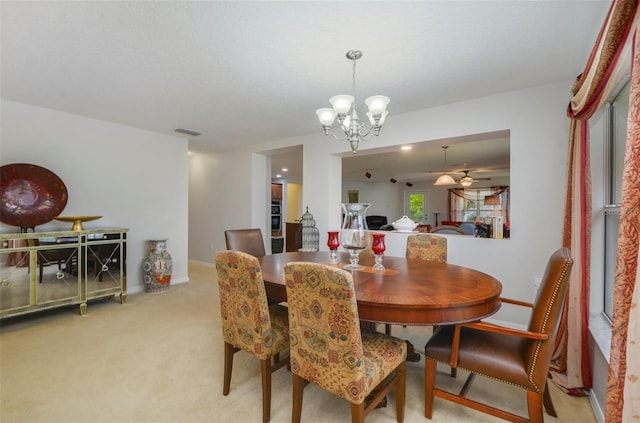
point(308, 233)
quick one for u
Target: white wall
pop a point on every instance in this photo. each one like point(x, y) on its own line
point(539, 134)
point(133, 178)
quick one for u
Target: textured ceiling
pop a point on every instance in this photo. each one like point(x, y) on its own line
point(247, 72)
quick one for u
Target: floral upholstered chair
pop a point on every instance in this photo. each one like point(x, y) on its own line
point(248, 323)
point(424, 247)
point(328, 347)
point(427, 247)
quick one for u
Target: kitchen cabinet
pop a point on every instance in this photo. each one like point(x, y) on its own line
point(44, 270)
point(276, 192)
point(292, 241)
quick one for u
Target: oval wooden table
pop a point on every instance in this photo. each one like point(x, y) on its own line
point(409, 291)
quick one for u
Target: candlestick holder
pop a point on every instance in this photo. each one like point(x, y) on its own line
point(333, 242)
point(378, 247)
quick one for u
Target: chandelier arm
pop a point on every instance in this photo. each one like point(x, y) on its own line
point(336, 137)
point(368, 134)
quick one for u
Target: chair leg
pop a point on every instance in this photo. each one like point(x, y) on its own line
point(401, 391)
point(228, 365)
point(265, 366)
point(534, 405)
point(387, 329)
point(429, 383)
point(546, 400)
point(357, 413)
point(298, 390)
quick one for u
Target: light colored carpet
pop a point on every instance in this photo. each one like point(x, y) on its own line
point(158, 358)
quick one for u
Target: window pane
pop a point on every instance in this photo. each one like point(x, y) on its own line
point(612, 224)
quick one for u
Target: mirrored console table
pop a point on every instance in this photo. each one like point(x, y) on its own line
point(43, 270)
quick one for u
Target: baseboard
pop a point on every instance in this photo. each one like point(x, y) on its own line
point(597, 411)
point(202, 263)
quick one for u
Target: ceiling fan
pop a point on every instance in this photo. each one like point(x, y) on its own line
point(467, 180)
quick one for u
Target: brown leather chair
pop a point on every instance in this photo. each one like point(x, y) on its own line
point(249, 241)
point(518, 357)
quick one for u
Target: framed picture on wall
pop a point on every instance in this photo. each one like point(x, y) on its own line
point(354, 196)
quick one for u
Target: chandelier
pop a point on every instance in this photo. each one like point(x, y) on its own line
point(354, 130)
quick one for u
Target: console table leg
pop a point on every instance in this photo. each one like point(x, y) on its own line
point(83, 309)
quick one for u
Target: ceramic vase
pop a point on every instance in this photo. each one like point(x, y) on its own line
point(157, 267)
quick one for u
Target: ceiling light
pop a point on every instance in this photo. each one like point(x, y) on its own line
point(393, 180)
point(466, 180)
point(284, 169)
point(354, 130)
point(409, 184)
point(406, 147)
point(445, 179)
point(367, 174)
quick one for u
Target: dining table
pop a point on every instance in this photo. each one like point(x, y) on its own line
point(407, 291)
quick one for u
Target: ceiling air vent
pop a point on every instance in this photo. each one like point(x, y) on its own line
point(187, 132)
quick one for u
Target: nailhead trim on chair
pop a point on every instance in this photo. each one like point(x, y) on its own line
point(561, 279)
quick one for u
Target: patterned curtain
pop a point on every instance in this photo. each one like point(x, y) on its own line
point(623, 390)
point(571, 367)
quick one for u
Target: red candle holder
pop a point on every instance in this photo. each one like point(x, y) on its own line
point(378, 247)
point(333, 242)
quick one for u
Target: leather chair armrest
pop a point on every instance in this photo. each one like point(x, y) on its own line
point(490, 327)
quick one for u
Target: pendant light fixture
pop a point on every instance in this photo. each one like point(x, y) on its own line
point(354, 130)
point(445, 179)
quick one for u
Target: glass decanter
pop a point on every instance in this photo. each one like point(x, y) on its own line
point(353, 235)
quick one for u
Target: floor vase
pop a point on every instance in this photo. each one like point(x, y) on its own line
point(157, 267)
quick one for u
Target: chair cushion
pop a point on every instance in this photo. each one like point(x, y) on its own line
point(382, 354)
point(493, 355)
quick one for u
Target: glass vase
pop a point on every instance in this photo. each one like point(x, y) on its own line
point(353, 235)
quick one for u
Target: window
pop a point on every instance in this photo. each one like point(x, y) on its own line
point(471, 204)
point(415, 205)
point(615, 142)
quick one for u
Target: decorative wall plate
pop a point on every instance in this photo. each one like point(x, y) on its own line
point(31, 195)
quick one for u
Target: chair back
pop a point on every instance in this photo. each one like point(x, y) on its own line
point(246, 323)
point(324, 328)
point(427, 247)
point(249, 241)
point(447, 229)
point(545, 315)
point(468, 228)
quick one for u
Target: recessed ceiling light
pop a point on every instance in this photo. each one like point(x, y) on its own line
point(406, 147)
point(284, 169)
point(278, 176)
